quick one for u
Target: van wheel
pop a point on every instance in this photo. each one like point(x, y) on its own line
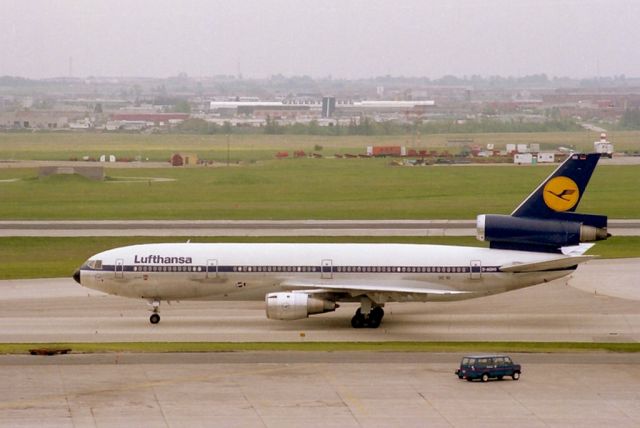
point(500, 377)
point(485, 377)
point(515, 375)
point(469, 379)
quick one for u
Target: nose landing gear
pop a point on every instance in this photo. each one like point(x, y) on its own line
point(155, 308)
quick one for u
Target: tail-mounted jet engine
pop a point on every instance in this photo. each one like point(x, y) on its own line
point(294, 306)
point(508, 232)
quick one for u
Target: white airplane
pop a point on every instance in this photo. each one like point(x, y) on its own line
point(543, 239)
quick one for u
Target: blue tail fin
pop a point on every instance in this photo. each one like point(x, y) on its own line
point(546, 221)
point(559, 195)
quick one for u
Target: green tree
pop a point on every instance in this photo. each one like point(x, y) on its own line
point(182, 106)
point(630, 119)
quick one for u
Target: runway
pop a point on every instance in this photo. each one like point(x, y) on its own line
point(59, 310)
point(195, 228)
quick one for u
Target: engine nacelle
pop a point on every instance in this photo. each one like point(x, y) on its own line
point(507, 231)
point(294, 306)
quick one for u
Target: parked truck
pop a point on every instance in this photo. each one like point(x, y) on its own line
point(384, 151)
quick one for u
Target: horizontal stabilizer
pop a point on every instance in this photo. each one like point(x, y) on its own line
point(576, 250)
point(555, 264)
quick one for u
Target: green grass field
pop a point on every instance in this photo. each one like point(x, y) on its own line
point(272, 189)
point(302, 346)
point(64, 145)
point(59, 257)
point(303, 189)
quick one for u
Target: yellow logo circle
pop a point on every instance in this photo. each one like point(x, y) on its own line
point(561, 193)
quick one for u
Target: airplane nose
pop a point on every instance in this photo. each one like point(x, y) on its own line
point(76, 276)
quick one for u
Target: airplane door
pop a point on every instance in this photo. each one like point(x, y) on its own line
point(327, 269)
point(212, 268)
point(119, 268)
point(476, 269)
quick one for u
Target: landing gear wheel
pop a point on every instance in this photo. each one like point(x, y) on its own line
point(358, 320)
point(372, 320)
point(375, 317)
point(155, 309)
point(154, 319)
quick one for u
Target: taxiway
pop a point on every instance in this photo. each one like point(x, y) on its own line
point(311, 389)
point(59, 310)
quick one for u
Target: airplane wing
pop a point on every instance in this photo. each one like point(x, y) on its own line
point(419, 289)
point(555, 264)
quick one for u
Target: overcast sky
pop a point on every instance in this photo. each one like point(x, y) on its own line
point(341, 38)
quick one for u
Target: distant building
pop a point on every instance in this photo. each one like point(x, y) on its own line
point(36, 119)
point(328, 106)
point(184, 159)
point(158, 119)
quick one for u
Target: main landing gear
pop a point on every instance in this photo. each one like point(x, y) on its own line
point(155, 308)
point(367, 315)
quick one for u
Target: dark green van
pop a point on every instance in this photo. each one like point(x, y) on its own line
point(485, 367)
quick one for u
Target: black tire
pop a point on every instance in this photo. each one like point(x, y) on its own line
point(375, 317)
point(500, 377)
point(358, 320)
point(484, 377)
point(469, 379)
point(515, 375)
point(154, 319)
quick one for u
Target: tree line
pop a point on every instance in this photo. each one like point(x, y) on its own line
point(367, 126)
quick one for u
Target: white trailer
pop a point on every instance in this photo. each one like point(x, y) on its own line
point(523, 158)
point(604, 146)
point(546, 157)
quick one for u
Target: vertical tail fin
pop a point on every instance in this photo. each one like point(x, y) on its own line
point(559, 195)
point(545, 221)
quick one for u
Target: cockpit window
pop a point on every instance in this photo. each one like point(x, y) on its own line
point(95, 264)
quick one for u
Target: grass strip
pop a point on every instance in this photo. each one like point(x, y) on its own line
point(302, 345)
point(340, 189)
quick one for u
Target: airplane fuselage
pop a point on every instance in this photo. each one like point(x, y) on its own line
point(193, 271)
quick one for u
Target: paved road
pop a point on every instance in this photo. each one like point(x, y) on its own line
point(263, 228)
point(281, 389)
point(60, 310)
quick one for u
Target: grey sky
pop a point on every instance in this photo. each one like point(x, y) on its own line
point(342, 38)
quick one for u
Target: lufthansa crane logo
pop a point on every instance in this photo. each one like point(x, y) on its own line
point(561, 193)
